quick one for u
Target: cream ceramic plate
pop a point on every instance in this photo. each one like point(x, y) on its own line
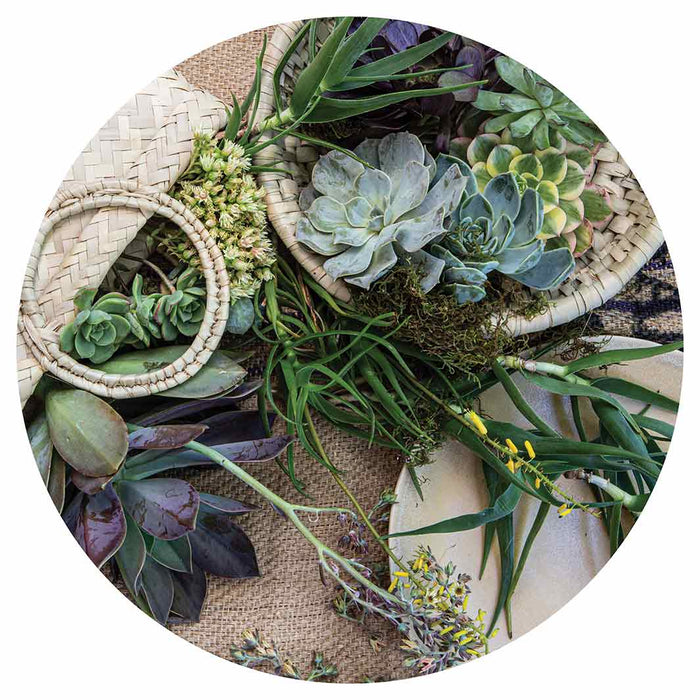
point(568, 552)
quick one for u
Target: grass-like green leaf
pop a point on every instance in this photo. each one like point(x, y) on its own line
point(613, 357)
point(630, 390)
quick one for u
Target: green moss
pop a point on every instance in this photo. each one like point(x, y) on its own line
point(465, 338)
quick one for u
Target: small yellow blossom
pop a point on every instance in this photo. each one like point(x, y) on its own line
point(530, 451)
point(538, 481)
point(511, 465)
point(511, 446)
point(478, 423)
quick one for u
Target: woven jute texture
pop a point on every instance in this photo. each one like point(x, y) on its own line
point(147, 145)
point(289, 603)
point(620, 249)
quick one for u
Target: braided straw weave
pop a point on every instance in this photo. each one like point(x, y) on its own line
point(141, 150)
point(627, 242)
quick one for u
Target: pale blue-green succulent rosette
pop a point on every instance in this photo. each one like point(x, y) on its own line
point(364, 218)
point(499, 229)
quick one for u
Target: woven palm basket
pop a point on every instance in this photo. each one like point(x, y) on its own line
point(119, 180)
point(621, 249)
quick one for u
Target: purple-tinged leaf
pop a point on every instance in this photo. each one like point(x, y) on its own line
point(71, 512)
point(89, 484)
point(224, 504)
point(157, 587)
point(167, 410)
point(57, 481)
point(234, 426)
point(220, 547)
point(131, 556)
point(164, 437)
point(402, 35)
point(148, 464)
point(190, 591)
point(42, 447)
point(100, 525)
point(165, 508)
point(175, 555)
point(87, 432)
point(246, 389)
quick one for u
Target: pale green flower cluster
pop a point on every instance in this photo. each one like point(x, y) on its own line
point(220, 191)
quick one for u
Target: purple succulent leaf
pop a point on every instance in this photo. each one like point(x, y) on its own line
point(89, 484)
point(165, 508)
point(220, 547)
point(190, 592)
point(157, 587)
point(164, 437)
point(401, 35)
point(97, 523)
point(131, 556)
point(224, 504)
point(234, 426)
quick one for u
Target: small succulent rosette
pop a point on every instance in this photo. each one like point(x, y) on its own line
point(364, 218)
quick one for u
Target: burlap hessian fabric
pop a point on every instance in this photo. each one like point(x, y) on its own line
point(289, 603)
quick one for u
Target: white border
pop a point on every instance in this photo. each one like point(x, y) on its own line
point(632, 630)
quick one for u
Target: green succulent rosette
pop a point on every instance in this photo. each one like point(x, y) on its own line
point(365, 215)
point(99, 328)
point(559, 173)
point(535, 109)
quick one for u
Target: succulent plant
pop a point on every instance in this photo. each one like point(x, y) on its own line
point(106, 478)
point(535, 108)
point(99, 328)
point(364, 219)
point(182, 310)
point(499, 230)
point(559, 173)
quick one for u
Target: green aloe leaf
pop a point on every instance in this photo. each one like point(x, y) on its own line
point(504, 505)
point(233, 122)
point(612, 357)
point(349, 51)
point(310, 79)
point(331, 109)
point(376, 70)
point(87, 432)
point(656, 426)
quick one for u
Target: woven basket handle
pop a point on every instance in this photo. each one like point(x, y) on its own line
point(42, 338)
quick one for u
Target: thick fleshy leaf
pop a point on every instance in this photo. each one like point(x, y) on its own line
point(368, 151)
point(514, 260)
point(220, 547)
point(383, 259)
point(220, 374)
point(100, 526)
point(57, 481)
point(446, 190)
point(480, 147)
point(240, 316)
point(358, 211)
point(224, 504)
point(42, 447)
point(175, 555)
point(554, 267)
point(87, 432)
point(476, 207)
point(89, 484)
point(530, 218)
point(414, 234)
point(261, 450)
point(318, 241)
point(527, 122)
point(189, 593)
point(409, 185)
point(157, 587)
point(168, 410)
point(553, 165)
point(513, 73)
point(131, 556)
point(500, 158)
point(574, 183)
point(465, 275)
point(233, 426)
point(554, 222)
point(594, 204)
point(504, 197)
point(466, 293)
point(164, 437)
point(334, 175)
point(352, 261)
point(574, 214)
point(326, 214)
point(430, 267)
point(375, 187)
point(165, 508)
point(397, 150)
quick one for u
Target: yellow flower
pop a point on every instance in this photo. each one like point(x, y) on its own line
point(530, 451)
point(538, 481)
point(478, 423)
point(511, 446)
point(511, 465)
point(393, 585)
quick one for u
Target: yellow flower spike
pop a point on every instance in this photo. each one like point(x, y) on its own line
point(447, 630)
point(466, 640)
point(562, 508)
point(480, 615)
point(440, 590)
point(530, 451)
point(403, 574)
point(473, 652)
point(511, 446)
point(495, 632)
point(465, 602)
point(459, 634)
point(538, 481)
point(511, 465)
point(406, 585)
point(565, 512)
point(393, 585)
point(478, 423)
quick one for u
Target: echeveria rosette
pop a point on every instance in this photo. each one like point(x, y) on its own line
point(99, 328)
point(500, 229)
point(560, 174)
point(364, 219)
point(534, 109)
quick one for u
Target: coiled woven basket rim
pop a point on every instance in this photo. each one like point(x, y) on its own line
point(632, 234)
point(43, 338)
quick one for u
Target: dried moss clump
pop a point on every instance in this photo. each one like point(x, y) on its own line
point(465, 338)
